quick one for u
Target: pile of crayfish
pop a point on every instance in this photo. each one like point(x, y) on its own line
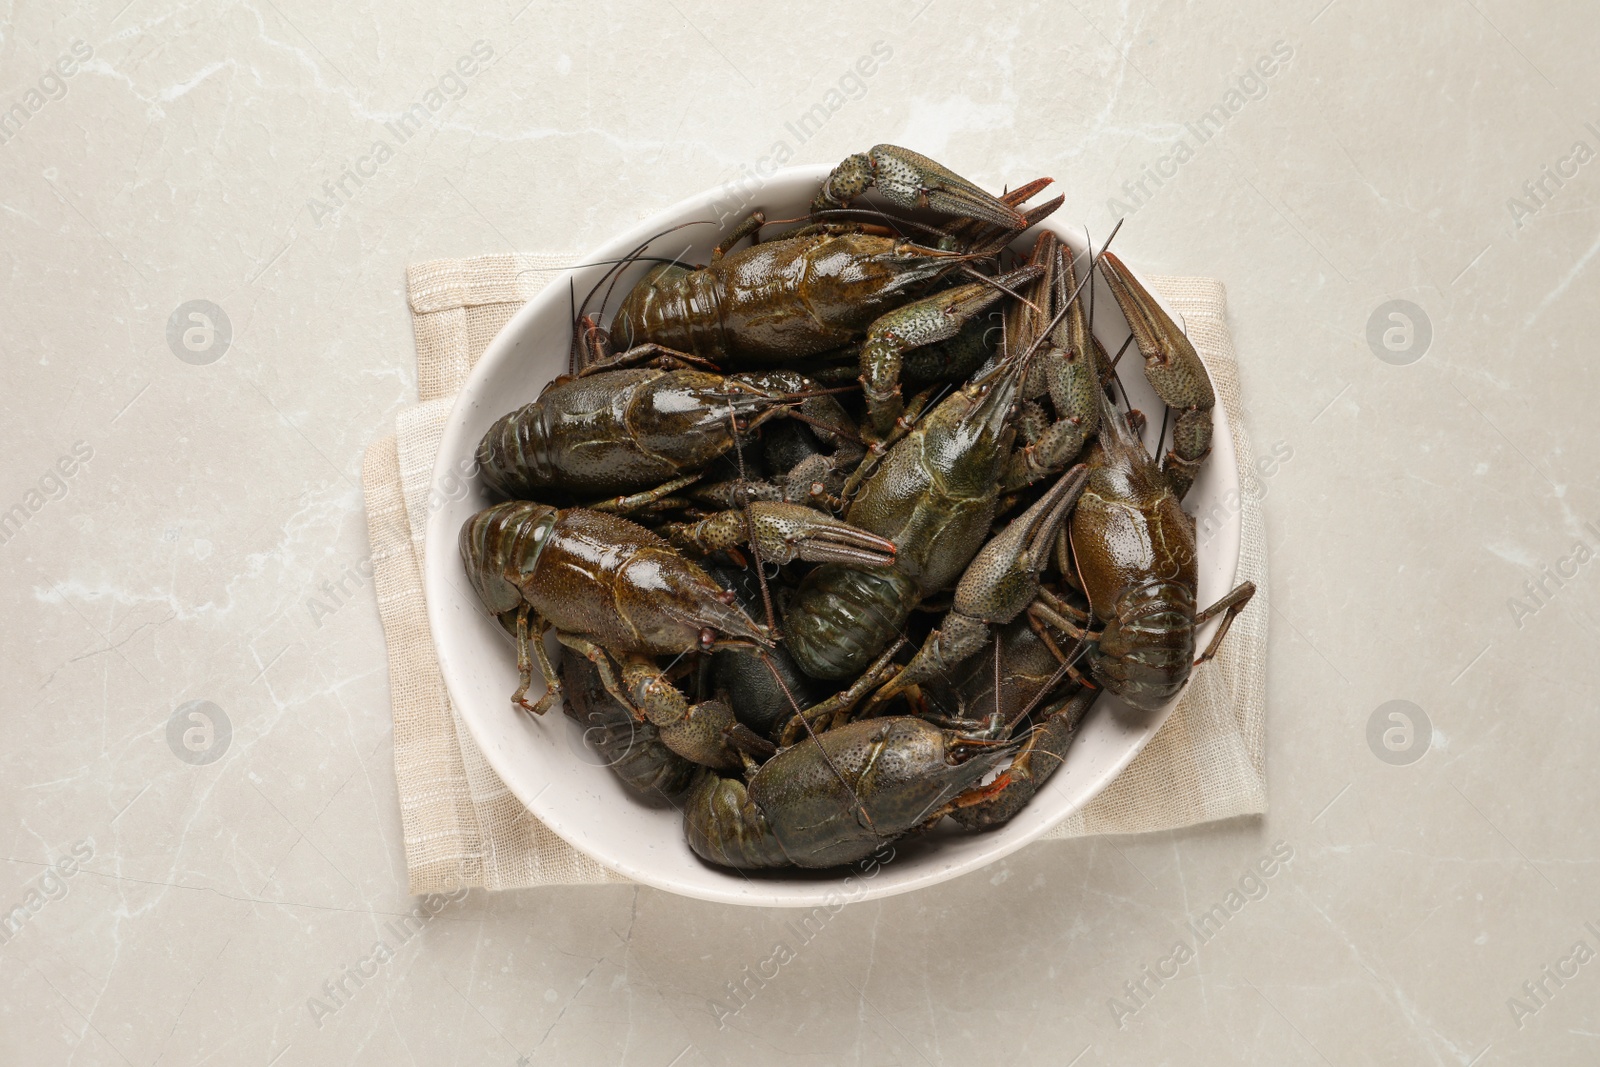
point(843, 532)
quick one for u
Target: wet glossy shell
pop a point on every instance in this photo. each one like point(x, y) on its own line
point(1135, 553)
point(842, 617)
point(610, 433)
point(1146, 651)
point(776, 301)
point(597, 575)
point(798, 811)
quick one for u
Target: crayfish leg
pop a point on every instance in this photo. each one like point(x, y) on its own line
point(1039, 617)
point(750, 227)
point(1232, 604)
point(645, 501)
point(602, 662)
point(533, 637)
point(658, 356)
point(706, 733)
point(835, 710)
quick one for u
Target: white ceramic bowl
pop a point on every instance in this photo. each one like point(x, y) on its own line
point(546, 764)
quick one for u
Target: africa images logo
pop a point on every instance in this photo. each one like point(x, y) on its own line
point(51, 86)
point(452, 85)
point(1252, 885)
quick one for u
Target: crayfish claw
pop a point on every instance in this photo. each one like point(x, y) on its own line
point(783, 533)
point(1174, 370)
point(911, 180)
point(787, 532)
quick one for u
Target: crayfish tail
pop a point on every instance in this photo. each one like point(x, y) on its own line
point(723, 826)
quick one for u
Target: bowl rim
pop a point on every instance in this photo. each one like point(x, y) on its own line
point(731, 888)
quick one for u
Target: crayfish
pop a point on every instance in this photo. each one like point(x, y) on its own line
point(825, 613)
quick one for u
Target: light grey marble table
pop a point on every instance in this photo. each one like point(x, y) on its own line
point(178, 504)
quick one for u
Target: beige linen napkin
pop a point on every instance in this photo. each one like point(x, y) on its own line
point(463, 827)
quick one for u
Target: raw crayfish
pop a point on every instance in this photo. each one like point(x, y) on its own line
point(612, 589)
point(627, 430)
point(811, 739)
point(835, 798)
point(825, 287)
